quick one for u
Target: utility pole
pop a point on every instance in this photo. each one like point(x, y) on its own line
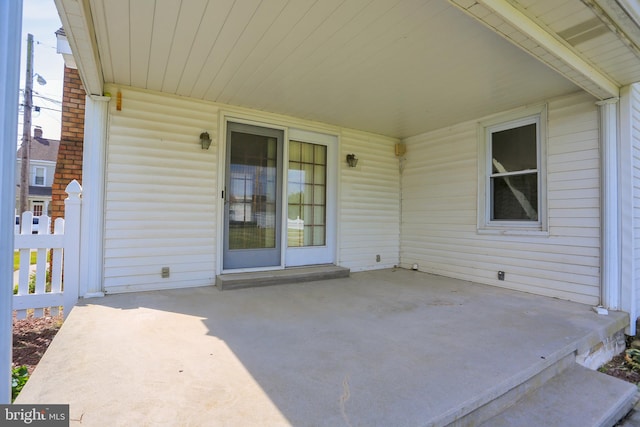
point(26, 130)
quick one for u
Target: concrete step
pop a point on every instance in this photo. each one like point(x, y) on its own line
point(280, 277)
point(576, 397)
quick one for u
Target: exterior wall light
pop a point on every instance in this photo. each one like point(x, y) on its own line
point(205, 140)
point(352, 160)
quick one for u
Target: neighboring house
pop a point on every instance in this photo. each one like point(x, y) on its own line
point(42, 165)
point(497, 141)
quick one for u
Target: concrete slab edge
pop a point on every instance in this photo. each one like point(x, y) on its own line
point(533, 377)
point(618, 412)
point(505, 394)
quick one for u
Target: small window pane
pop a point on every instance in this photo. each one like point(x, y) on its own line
point(318, 216)
point(307, 173)
point(307, 153)
point(319, 175)
point(319, 235)
point(294, 151)
point(308, 236)
point(293, 212)
point(295, 193)
point(308, 193)
point(307, 213)
point(319, 195)
point(515, 198)
point(321, 155)
point(514, 149)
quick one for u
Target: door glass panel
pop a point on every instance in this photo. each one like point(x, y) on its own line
point(252, 194)
point(307, 194)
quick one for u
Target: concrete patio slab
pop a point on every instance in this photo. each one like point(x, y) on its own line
point(380, 348)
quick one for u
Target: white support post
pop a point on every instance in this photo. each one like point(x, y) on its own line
point(72, 212)
point(93, 173)
point(610, 262)
point(10, 37)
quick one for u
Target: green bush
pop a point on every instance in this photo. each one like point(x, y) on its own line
point(632, 356)
point(32, 283)
point(19, 377)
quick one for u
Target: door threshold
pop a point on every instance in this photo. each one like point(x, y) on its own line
point(280, 277)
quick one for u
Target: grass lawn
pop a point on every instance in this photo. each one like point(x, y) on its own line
point(16, 259)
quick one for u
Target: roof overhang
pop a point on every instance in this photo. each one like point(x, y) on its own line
point(397, 69)
point(504, 18)
point(80, 35)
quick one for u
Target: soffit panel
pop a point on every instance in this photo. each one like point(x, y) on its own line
point(397, 68)
point(565, 18)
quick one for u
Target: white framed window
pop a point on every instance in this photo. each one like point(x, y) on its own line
point(512, 167)
point(39, 177)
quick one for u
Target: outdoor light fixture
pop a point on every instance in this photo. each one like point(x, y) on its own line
point(205, 140)
point(352, 160)
point(41, 81)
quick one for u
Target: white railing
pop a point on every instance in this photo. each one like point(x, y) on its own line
point(56, 254)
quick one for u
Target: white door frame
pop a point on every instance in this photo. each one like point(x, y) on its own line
point(331, 139)
point(298, 256)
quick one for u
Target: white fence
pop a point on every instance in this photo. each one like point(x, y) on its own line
point(57, 254)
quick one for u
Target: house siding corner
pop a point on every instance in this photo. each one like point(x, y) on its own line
point(439, 229)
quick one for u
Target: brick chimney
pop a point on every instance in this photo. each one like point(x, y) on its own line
point(69, 164)
point(37, 133)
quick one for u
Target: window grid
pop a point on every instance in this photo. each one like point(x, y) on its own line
point(513, 176)
point(38, 208)
point(307, 194)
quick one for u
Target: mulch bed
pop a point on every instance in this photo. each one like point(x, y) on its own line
point(31, 337)
point(619, 368)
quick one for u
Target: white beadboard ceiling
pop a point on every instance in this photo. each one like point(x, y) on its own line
point(394, 67)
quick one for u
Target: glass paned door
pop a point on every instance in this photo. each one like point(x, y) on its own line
point(307, 194)
point(311, 175)
point(252, 197)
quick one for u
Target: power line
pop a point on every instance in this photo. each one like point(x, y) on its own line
point(37, 94)
point(37, 108)
point(45, 45)
point(55, 101)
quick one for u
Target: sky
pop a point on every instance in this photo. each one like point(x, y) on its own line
point(40, 18)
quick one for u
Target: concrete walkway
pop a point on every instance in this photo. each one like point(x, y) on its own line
point(382, 348)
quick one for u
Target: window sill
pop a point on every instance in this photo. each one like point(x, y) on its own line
point(501, 231)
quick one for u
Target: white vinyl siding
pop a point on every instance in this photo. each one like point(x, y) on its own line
point(369, 215)
point(439, 210)
point(160, 204)
point(162, 192)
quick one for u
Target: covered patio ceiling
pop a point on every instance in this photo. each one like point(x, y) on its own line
point(397, 68)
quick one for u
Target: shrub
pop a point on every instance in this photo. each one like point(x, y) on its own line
point(32, 283)
point(19, 377)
